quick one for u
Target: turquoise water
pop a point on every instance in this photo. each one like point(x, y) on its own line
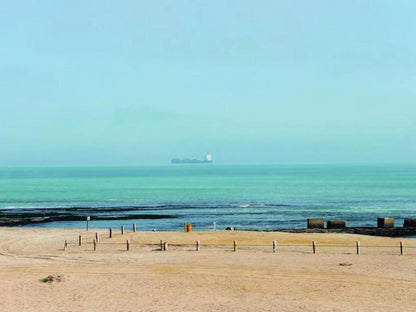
point(247, 196)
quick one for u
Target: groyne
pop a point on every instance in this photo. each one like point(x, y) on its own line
point(375, 231)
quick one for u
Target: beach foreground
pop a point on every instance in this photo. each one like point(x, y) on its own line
point(215, 278)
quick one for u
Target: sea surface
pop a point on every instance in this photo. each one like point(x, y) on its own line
point(253, 197)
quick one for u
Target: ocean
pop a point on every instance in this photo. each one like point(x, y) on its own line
point(251, 197)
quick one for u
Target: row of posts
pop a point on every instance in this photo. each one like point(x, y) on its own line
point(110, 234)
point(187, 227)
point(164, 245)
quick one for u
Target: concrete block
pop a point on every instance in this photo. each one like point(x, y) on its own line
point(385, 222)
point(409, 222)
point(315, 223)
point(335, 224)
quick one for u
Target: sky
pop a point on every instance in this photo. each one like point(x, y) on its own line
point(141, 82)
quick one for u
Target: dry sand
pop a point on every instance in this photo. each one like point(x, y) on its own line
point(213, 279)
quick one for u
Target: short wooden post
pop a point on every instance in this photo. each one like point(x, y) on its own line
point(95, 244)
point(274, 246)
point(97, 237)
point(235, 245)
point(110, 233)
point(80, 240)
point(128, 245)
point(134, 227)
point(358, 247)
point(314, 247)
point(198, 244)
point(401, 248)
point(122, 230)
point(165, 246)
point(161, 245)
point(65, 245)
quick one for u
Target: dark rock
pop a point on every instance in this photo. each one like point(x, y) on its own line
point(15, 217)
point(52, 278)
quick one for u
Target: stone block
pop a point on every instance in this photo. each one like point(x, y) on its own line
point(335, 224)
point(315, 223)
point(385, 222)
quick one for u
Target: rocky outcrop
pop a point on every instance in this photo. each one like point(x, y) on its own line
point(14, 217)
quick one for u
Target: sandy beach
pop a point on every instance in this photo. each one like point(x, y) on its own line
point(215, 278)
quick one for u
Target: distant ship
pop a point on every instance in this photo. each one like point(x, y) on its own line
point(206, 160)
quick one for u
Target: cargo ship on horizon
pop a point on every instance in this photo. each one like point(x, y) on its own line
point(206, 160)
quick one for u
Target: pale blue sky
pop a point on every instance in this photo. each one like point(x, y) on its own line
point(129, 82)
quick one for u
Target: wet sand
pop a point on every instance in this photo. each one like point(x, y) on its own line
point(212, 279)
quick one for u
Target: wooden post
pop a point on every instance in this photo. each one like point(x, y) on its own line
point(122, 230)
point(401, 248)
point(314, 247)
point(235, 245)
point(97, 237)
point(357, 244)
point(110, 234)
point(128, 245)
point(274, 246)
point(95, 244)
point(198, 244)
point(80, 240)
point(134, 227)
point(66, 245)
point(165, 246)
point(161, 245)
